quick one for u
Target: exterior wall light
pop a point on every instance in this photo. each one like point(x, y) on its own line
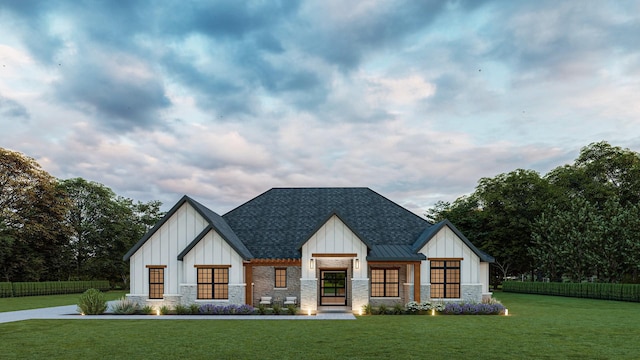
point(357, 264)
point(312, 264)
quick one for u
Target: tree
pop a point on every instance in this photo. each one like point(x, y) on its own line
point(31, 210)
point(104, 227)
point(600, 172)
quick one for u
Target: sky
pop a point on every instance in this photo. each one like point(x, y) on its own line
point(223, 100)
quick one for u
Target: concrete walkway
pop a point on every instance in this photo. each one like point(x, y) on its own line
point(69, 313)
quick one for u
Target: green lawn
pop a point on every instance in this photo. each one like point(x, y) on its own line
point(538, 327)
point(35, 302)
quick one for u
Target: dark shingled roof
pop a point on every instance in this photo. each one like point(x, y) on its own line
point(428, 234)
point(215, 221)
point(275, 223)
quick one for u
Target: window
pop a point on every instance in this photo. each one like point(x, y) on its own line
point(445, 279)
point(281, 278)
point(213, 282)
point(385, 283)
point(156, 282)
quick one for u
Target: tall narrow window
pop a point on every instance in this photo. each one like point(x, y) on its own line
point(385, 283)
point(213, 283)
point(156, 282)
point(281, 278)
point(445, 279)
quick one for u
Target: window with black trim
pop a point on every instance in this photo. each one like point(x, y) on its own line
point(445, 279)
point(385, 283)
point(281, 278)
point(156, 282)
point(213, 283)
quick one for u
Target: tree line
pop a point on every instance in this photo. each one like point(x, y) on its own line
point(579, 222)
point(72, 229)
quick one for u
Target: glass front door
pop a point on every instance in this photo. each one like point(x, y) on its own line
point(333, 287)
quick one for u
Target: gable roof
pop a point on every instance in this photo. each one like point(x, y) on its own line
point(429, 233)
point(275, 223)
point(215, 221)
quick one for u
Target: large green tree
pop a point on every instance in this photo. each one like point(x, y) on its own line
point(32, 209)
point(104, 227)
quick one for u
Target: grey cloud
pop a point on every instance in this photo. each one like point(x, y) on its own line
point(122, 102)
point(346, 43)
point(13, 109)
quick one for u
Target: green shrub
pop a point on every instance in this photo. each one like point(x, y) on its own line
point(262, 309)
point(182, 310)
point(367, 309)
point(276, 309)
point(398, 309)
point(164, 310)
point(382, 309)
point(92, 302)
point(292, 309)
point(195, 309)
point(124, 306)
point(605, 291)
point(146, 310)
point(6, 289)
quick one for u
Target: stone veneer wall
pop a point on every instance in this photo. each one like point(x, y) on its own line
point(359, 294)
point(309, 295)
point(188, 296)
point(264, 282)
point(469, 293)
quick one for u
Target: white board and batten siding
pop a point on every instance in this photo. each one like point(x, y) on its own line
point(334, 237)
point(213, 250)
point(163, 248)
point(447, 245)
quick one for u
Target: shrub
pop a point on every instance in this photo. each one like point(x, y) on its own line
point(367, 309)
point(473, 309)
point(124, 306)
point(398, 309)
point(276, 309)
point(164, 310)
point(182, 310)
point(92, 302)
point(382, 309)
point(195, 308)
point(245, 309)
point(291, 309)
point(146, 310)
point(262, 309)
point(211, 309)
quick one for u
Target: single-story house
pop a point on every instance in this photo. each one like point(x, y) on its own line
point(317, 247)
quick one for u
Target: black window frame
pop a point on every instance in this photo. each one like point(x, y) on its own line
point(449, 288)
point(216, 293)
point(154, 285)
point(385, 282)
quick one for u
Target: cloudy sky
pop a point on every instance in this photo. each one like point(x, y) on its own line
point(223, 100)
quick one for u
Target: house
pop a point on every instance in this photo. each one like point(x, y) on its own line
point(316, 246)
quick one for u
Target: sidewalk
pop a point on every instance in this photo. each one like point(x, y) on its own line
point(68, 312)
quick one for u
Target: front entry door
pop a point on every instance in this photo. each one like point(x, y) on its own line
point(333, 287)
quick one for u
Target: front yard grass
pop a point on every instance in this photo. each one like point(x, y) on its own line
point(36, 302)
point(538, 327)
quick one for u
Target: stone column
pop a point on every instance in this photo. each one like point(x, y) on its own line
point(309, 295)
point(359, 294)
